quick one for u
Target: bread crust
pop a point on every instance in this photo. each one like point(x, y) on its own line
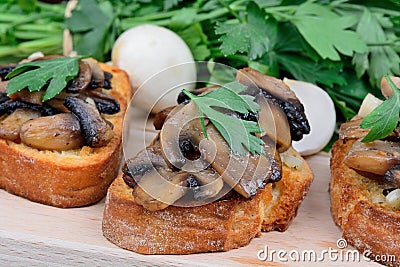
point(367, 224)
point(71, 178)
point(218, 226)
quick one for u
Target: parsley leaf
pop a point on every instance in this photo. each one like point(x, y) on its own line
point(383, 119)
point(326, 32)
point(168, 4)
point(236, 132)
point(34, 76)
point(91, 26)
point(304, 69)
point(378, 60)
point(250, 36)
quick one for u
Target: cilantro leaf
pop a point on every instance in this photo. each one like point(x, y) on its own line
point(326, 32)
point(34, 76)
point(383, 119)
point(250, 36)
point(239, 134)
point(378, 60)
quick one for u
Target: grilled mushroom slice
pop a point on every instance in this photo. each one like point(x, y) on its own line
point(149, 156)
point(392, 176)
point(3, 97)
point(155, 186)
point(31, 97)
point(105, 103)
point(352, 130)
point(97, 73)
point(274, 123)
point(82, 80)
point(182, 125)
point(161, 116)
point(246, 174)
point(96, 131)
point(11, 125)
point(278, 92)
point(6, 69)
point(159, 187)
point(10, 106)
point(375, 157)
point(59, 132)
point(210, 184)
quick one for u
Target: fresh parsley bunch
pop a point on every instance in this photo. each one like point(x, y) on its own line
point(342, 45)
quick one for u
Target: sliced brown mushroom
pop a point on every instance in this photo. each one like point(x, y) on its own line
point(386, 89)
point(96, 131)
point(392, 176)
point(149, 156)
point(278, 92)
point(3, 97)
point(272, 85)
point(210, 184)
point(155, 186)
point(375, 157)
point(6, 69)
point(158, 188)
point(10, 127)
point(59, 132)
point(274, 123)
point(246, 174)
point(57, 104)
point(105, 103)
point(82, 80)
point(3, 87)
point(352, 130)
point(27, 96)
point(182, 125)
point(397, 130)
point(97, 73)
point(10, 106)
point(161, 116)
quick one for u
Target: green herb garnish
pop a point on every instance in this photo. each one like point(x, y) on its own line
point(238, 133)
point(383, 119)
point(34, 76)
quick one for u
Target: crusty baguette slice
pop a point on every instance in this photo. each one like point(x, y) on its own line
point(217, 226)
point(71, 178)
point(358, 207)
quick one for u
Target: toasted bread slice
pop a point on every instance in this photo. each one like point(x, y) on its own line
point(70, 178)
point(358, 207)
point(218, 226)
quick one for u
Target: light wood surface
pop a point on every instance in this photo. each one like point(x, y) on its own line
point(32, 234)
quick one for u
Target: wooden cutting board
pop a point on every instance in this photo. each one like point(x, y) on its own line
point(36, 235)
